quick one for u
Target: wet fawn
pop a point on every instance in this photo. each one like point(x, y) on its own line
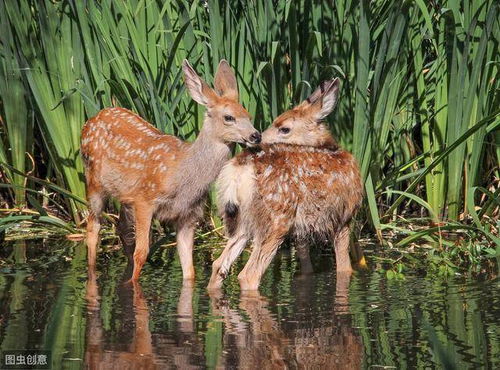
point(303, 185)
point(160, 175)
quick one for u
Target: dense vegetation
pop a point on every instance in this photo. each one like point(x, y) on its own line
point(419, 101)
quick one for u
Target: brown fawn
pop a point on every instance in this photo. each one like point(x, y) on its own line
point(303, 186)
point(160, 175)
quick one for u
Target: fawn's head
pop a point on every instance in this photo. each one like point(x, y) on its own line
point(231, 122)
point(302, 124)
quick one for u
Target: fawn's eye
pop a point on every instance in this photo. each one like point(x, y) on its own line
point(284, 130)
point(229, 118)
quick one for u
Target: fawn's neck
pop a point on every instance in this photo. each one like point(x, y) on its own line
point(201, 165)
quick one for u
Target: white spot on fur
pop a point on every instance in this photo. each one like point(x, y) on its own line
point(268, 171)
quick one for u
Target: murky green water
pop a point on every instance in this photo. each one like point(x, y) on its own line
point(48, 302)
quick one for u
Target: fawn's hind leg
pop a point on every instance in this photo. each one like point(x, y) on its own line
point(126, 230)
point(263, 252)
point(341, 242)
point(221, 265)
point(143, 213)
point(96, 205)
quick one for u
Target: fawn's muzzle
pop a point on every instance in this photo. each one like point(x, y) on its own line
point(255, 138)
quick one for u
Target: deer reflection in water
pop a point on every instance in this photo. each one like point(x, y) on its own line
point(253, 337)
point(145, 351)
point(262, 342)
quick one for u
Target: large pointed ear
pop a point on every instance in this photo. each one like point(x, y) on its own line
point(225, 81)
point(323, 100)
point(198, 89)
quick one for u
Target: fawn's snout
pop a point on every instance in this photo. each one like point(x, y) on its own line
point(255, 138)
point(243, 132)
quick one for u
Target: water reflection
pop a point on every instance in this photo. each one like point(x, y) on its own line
point(253, 336)
point(140, 352)
point(260, 340)
point(48, 300)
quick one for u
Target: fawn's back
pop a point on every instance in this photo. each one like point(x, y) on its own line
point(125, 155)
point(307, 189)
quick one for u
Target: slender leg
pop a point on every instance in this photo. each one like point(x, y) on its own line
point(344, 270)
point(234, 324)
point(341, 242)
point(342, 291)
point(126, 230)
point(92, 291)
point(304, 257)
point(221, 265)
point(185, 241)
point(142, 342)
point(185, 309)
point(261, 257)
point(94, 331)
point(143, 214)
point(96, 204)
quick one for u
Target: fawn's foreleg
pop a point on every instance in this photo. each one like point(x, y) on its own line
point(185, 242)
point(221, 265)
point(261, 257)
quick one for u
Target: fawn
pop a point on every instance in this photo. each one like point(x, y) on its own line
point(304, 185)
point(160, 175)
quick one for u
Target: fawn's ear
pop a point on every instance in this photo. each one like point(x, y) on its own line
point(225, 81)
point(198, 89)
point(323, 100)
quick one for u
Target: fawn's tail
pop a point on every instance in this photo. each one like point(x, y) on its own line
point(235, 187)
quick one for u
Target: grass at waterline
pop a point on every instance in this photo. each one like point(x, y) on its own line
point(419, 99)
point(459, 254)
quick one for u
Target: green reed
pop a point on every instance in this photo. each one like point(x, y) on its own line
point(419, 102)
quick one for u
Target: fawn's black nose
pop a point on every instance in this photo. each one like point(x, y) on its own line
point(256, 137)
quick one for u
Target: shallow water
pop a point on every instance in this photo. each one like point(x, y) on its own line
point(316, 321)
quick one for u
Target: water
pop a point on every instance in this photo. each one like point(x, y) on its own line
point(317, 321)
